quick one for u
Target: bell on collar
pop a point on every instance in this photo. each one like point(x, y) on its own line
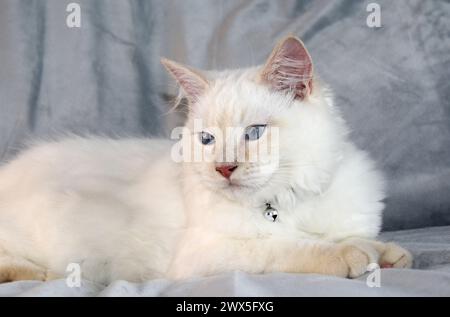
point(270, 213)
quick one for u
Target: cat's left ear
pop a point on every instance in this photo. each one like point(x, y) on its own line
point(289, 68)
point(190, 80)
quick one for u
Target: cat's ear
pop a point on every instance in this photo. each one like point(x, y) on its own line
point(190, 80)
point(289, 68)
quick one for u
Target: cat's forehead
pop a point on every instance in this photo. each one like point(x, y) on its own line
point(236, 99)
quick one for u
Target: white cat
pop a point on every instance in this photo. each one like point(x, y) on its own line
point(124, 209)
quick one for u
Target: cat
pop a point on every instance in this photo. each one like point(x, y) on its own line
point(128, 209)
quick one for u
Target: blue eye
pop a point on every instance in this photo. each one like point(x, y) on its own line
point(254, 132)
point(206, 138)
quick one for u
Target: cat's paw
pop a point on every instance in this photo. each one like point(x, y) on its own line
point(357, 256)
point(395, 256)
point(11, 274)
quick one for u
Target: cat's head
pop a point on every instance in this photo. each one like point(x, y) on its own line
point(261, 130)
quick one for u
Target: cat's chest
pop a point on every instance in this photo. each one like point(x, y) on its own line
point(308, 218)
point(237, 220)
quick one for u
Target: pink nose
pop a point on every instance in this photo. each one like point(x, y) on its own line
point(226, 170)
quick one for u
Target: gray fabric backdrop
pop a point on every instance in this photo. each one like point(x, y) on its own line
point(391, 82)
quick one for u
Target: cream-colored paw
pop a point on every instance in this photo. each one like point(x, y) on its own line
point(395, 256)
point(13, 273)
point(49, 276)
point(35, 275)
point(357, 255)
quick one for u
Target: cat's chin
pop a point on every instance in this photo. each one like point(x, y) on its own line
point(239, 191)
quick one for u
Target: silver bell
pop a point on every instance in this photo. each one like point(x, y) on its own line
point(271, 213)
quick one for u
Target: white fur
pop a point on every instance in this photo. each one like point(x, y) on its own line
point(124, 210)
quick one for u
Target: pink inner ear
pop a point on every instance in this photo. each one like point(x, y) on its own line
point(290, 68)
point(191, 82)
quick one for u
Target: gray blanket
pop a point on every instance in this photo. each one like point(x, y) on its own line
point(430, 277)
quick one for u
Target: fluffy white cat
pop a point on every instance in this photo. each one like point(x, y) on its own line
point(125, 209)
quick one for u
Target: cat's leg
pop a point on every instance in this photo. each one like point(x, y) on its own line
point(210, 255)
point(16, 269)
point(358, 255)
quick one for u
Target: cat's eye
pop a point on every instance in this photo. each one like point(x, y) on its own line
point(254, 132)
point(206, 138)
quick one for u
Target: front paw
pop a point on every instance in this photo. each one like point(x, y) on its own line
point(394, 256)
point(357, 255)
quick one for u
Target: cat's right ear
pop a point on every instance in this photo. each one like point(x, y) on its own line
point(191, 81)
point(289, 68)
